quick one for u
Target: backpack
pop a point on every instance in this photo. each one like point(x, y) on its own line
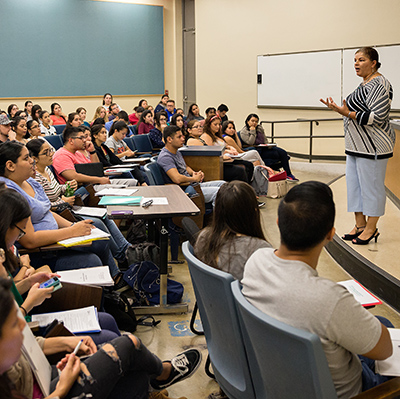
point(144, 279)
point(118, 306)
point(137, 232)
point(260, 180)
point(145, 251)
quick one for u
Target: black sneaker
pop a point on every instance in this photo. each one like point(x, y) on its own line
point(183, 366)
point(121, 285)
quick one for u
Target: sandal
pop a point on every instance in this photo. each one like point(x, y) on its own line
point(350, 237)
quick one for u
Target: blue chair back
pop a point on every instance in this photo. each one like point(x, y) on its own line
point(132, 130)
point(154, 174)
point(221, 326)
point(55, 141)
point(130, 143)
point(142, 143)
point(59, 128)
point(285, 362)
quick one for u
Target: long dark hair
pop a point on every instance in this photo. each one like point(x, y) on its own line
point(9, 151)
point(207, 128)
point(35, 108)
point(190, 114)
point(225, 126)
point(236, 211)
point(143, 116)
point(119, 125)
point(15, 208)
point(34, 146)
point(249, 117)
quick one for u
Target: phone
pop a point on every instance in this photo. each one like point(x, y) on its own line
point(53, 282)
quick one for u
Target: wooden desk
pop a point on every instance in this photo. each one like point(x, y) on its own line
point(392, 180)
point(179, 204)
point(205, 158)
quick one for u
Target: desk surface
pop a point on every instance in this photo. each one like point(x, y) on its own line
point(179, 204)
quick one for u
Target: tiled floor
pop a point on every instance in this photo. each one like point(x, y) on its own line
point(173, 335)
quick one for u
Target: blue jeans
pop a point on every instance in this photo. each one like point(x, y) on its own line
point(369, 378)
point(209, 189)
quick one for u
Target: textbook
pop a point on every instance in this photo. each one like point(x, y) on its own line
point(84, 320)
point(361, 294)
point(116, 171)
point(118, 200)
point(116, 191)
point(391, 365)
point(95, 234)
point(89, 276)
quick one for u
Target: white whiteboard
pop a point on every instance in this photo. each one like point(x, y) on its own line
point(389, 57)
point(301, 79)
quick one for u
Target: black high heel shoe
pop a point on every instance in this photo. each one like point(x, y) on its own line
point(350, 237)
point(359, 241)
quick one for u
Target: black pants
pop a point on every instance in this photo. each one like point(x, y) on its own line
point(238, 170)
point(275, 156)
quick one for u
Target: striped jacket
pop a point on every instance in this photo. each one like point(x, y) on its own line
point(370, 135)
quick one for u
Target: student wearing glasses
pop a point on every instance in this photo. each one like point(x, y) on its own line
point(66, 157)
point(34, 130)
point(156, 134)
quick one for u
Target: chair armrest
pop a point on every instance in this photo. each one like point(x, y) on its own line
point(51, 247)
point(72, 296)
point(389, 389)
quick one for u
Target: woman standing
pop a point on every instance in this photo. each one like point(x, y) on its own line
point(369, 143)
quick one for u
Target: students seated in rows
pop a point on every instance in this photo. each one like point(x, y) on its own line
point(145, 123)
point(121, 116)
point(18, 126)
point(5, 128)
point(175, 169)
point(162, 105)
point(170, 109)
point(221, 112)
point(99, 113)
point(135, 116)
point(45, 124)
point(235, 233)
point(116, 142)
point(284, 284)
point(194, 113)
point(45, 227)
point(107, 157)
point(57, 116)
point(26, 279)
point(66, 157)
point(253, 134)
point(122, 368)
point(156, 134)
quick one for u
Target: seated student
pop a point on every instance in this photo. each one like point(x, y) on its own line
point(18, 125)
point(175, 169)
point(34, 131)
point(25, 278)
point(66, 157)
point(135, 116)
point(28, 109)
point(123, 368)
point(82, 116)
point(113, 111)
point(156, 134)
point(284, 284)
point(170, 109)
point(5, 128)
point(11, 110)
point(145, 123)
point(253, 134)
point(73, 120)
point(221, 112)
point(22, 114)
point(178, 120)
point(210, 111)
point(195, 130)
point(45, 127)
point(116, 143)
point(162, 105)
point(56, 115)
point(100, 113)
point(235, 233)
point(143, 103)
point(45, 227)
point(234, 169)
point(35, 113)
point(107, 101)
point(122, 115)
point(107, 157)
point(194, 113)
point(231, 138)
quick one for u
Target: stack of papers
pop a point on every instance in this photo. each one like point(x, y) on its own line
point(116, 171)
point(87, 211)
point(360, 293)
point(90, 276)
point(116, 200)
point(95, 234)
point(77, 321)
point(391, 365)
point(116, 191)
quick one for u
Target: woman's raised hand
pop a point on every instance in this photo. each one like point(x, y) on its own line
point(343, 110)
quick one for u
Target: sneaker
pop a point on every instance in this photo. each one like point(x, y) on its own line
point(183, 366)
point(292, 178)
point(121, 285)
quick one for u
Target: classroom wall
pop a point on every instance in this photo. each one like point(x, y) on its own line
point(230, 35)
point(172, 63)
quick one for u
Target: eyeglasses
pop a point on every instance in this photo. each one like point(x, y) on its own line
point(47, 152)
point(79, 137)
point(21, 232)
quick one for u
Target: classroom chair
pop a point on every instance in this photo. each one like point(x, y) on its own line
point(55, 141)
point(130, 143)
point(142, 143)
point(218, 314)
point(286, 362)
point(59, 128)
